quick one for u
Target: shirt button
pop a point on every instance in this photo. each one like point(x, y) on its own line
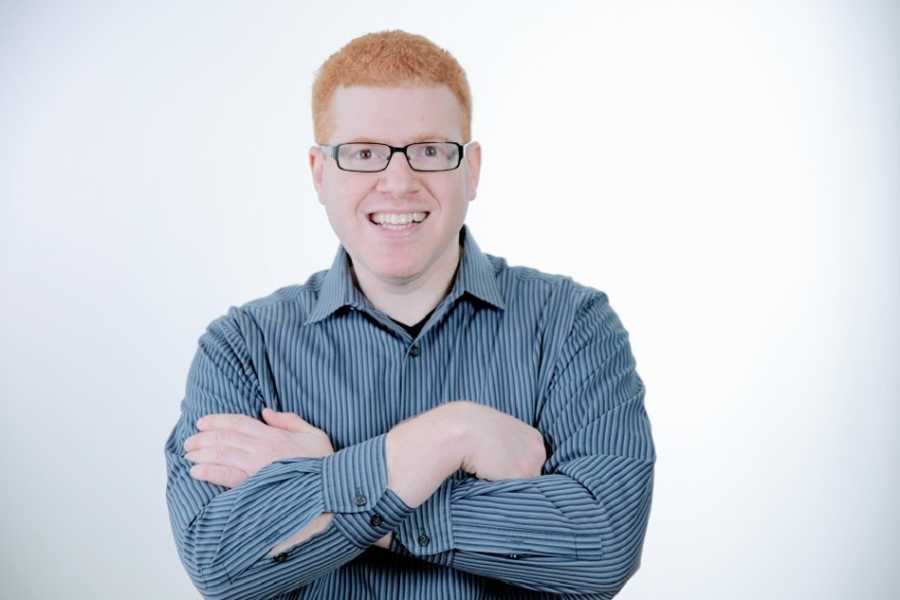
point(414, 351)
point(279, 558)
point(514, 556)
point(376, 520)
point(423, 539)
point(361, 500)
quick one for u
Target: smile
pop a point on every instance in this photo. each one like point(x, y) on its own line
point(398, 222)
point(394, 218)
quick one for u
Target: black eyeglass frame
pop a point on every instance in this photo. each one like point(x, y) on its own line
point(332, 151)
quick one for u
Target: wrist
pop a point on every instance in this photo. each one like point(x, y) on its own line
point(455, 429)
point(385, 542)
point(423, 451)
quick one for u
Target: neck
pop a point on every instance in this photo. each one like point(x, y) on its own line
point(409, 301)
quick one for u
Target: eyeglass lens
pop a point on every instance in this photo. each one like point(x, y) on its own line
point(426, 156)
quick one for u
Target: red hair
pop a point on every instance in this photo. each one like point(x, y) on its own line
point(388, 59)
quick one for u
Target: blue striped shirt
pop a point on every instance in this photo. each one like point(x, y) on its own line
point(537, 346)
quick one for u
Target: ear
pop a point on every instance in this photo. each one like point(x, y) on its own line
point(317, 166)
point(473, 169)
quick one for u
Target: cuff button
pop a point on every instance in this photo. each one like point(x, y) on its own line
point(423, 539)
point(376, 521)
point(361, 500)
point(280, 558)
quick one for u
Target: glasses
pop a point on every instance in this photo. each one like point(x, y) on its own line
point(365, 157)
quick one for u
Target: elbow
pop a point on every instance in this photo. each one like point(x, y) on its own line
point(614, 559)
point(197, 556)
point(601, 571)
point(607, 576)
point(584, 576)
point(232, 575)
point(215, 585)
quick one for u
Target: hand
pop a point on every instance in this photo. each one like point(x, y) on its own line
point(500, 446)
point(229, 448)
point(422, 451)
point(284, 421)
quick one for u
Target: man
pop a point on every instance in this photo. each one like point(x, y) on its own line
point(481, 425)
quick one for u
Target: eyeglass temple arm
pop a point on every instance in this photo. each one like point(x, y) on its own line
point(329, 150)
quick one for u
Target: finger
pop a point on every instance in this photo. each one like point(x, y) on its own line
point(219, 437)
point(287, 420)
point(218, 474)
point(225, 456)
point(232, 422)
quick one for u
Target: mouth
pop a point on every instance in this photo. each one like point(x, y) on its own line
point(391, 222)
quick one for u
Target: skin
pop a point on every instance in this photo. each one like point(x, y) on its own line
point(403, 278)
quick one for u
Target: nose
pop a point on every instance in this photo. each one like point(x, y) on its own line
point(398, 178)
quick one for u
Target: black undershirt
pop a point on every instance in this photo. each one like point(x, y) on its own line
point(413, 330)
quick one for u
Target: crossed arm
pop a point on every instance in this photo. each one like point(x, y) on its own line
point(575, 526)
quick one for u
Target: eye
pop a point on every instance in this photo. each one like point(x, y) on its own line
point(364, 154)
point(430, 151)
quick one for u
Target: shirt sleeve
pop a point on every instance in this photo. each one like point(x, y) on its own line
point(579, 527)
point(223, 536)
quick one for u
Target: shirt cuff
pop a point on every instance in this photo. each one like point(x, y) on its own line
point(365, 528)
point(428, 530)
point(354, 478)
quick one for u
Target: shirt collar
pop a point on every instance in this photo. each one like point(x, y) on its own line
point(475, 275)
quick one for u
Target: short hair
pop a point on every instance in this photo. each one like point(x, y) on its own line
point(388, 59)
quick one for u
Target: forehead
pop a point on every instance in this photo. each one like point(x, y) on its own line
point(396, 115)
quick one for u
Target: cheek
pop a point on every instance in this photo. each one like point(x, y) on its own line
point(450, 192)
point(343, 197)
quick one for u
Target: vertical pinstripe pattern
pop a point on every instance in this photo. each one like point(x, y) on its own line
point(540, 347)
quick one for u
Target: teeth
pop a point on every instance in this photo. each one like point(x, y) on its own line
point(398, 219)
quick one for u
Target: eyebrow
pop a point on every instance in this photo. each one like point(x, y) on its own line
point(427, 137)
point(430, 137)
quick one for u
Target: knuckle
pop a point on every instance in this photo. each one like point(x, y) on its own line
point(227, 475)
point(219, 475)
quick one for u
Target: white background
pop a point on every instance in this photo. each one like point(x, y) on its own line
point(726, 172)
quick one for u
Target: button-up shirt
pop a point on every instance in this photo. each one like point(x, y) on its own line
point(540, 347)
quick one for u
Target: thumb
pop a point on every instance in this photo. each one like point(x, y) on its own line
point(285, 420)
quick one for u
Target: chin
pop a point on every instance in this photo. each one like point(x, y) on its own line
point(400, 272)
